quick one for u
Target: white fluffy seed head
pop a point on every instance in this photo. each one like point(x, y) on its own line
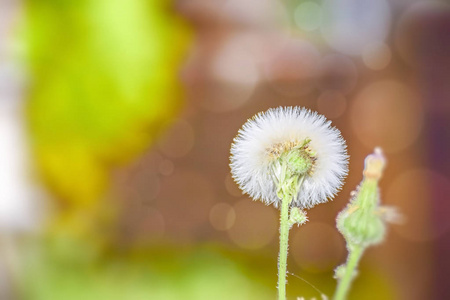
point(255, 150)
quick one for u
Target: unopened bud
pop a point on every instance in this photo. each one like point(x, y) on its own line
point(361, 222)
point(297, 216)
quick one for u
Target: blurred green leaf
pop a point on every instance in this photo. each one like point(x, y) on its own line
point(103, 82)
point(160, 274)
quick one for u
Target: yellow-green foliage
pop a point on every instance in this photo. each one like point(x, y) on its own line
point(103, 82)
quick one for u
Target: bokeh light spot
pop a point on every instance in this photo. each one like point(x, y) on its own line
point(222, 216)
point(255, 225)
point(293, 71)
point(376, 56)
point(332, 104)
point(235, 63)
point(387, 114)
point(264, 13)
point(338, 72)
point(166, 167)
point(234, 72)
point(308, 15)
point(178, 141)
point(349, 25)
point(194, 196)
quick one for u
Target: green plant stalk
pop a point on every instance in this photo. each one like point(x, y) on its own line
point(350, 271)
point(294, 167)
point(284, 238)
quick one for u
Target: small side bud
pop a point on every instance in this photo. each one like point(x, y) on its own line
point(339, 272)
point(297, 216)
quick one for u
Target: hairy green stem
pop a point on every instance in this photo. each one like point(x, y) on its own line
point(284, 238)
point(349, 273)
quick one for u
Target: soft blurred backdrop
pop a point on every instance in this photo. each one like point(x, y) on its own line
point(116, 119)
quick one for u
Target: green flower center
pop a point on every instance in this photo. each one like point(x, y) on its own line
point(300, 160)
point(294, 162)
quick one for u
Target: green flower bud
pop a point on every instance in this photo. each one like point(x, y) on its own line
point(361, 222)
point(292, 167)
point(339, 272)
point(361, 226)
point(299, 163)
point(297, 216)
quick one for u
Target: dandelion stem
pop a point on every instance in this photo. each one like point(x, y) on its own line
point(284, 237)
point(349, 273)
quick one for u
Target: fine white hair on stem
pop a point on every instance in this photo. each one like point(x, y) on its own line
point(254, 165)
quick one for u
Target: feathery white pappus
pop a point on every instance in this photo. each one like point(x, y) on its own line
point(261, 139)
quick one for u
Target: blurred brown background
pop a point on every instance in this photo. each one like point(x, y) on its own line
point(378, 69)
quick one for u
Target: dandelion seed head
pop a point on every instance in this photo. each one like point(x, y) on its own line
point(265, 138)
